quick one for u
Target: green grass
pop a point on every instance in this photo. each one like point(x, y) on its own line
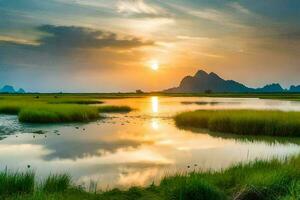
point(259, 180)
point(243, 122)
point(56, 108)
point(11, 108)
point(56, 183)
point(16, 183)
point(192, 187)
point(75, 101)
point(112, 109)
point(58, 113)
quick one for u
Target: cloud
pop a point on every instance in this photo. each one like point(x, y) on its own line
point(135, 6)
point(238, 7)
point(92, 3)
point(62, 50)
point(73, 37)
point(85, 38)
point(15, 40)
point(138, 8)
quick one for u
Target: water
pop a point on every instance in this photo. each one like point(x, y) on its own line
point(139, 147)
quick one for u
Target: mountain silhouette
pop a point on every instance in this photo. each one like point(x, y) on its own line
point(11, 89)
point(274, 87)
point(21, 91)
point(204, 82)
point(294, 88)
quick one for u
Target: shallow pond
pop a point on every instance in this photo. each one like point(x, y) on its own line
point(140, 147)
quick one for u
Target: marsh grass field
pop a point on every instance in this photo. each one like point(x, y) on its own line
point(243, 122)
point(56, 109)
point(270, 180)
point(273, 179)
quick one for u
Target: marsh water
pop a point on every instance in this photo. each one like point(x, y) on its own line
point(139, 147)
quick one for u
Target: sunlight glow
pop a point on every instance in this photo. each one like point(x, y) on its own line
point(154, 65)
point(154, 124)
point(154, 103)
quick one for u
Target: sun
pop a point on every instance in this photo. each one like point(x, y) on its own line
point(154, 65)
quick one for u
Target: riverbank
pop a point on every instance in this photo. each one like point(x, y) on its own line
point(271, 179)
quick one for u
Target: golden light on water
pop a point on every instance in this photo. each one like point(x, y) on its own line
point(154, 124)
point(154, 103)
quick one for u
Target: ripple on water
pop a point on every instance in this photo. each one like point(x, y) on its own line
point(9, 124)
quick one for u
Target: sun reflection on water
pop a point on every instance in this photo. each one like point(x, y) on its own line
point(154, 124)
point(154, 103)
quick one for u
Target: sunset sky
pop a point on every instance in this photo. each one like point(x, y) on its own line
point(111, 45)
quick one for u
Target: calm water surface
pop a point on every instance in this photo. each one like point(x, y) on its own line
point(139, 147)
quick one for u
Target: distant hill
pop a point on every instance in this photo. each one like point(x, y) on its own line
point(204, 82)
point(275, 87)
point(295, 88)
point(11, 89)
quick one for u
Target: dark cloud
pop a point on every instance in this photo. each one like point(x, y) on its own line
point(73, 37)
point(79, 37)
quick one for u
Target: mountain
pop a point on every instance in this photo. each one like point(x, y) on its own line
point(204, 82)
point(21, 91)
point(275, 87)
point(7, 89)
point(11, 89)
point(295, 88)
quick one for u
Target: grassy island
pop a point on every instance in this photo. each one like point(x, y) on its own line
point(114, 109)
point(58, 113)
point(56, 109)
point(243, 122)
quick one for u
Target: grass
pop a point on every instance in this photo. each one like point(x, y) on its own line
point(11, 107)
point(260, 180)
point(112, 109)
point(40, 108)
point(243, 122)
point(16, 183)
point(75, 101)
point(56, 183)
point(58, 113)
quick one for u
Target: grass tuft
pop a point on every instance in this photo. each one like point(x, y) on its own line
point(114, 109)
point(190, 188)
point(11, 108)
point(16, 183)
point(75, 101)
point(243, 122)
point(57, 183)
point(58, 113)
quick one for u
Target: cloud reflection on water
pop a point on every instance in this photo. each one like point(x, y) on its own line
point(139, 147)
